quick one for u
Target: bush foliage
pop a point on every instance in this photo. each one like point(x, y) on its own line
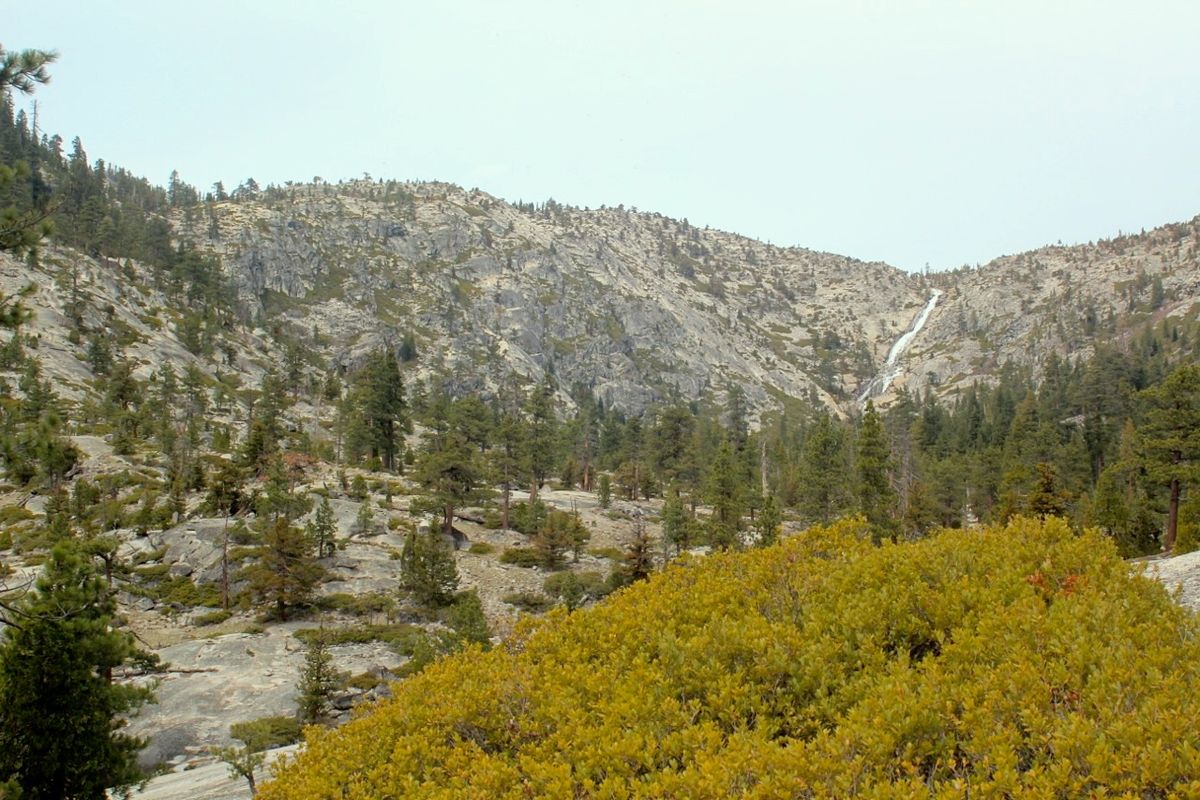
point(1015, 661)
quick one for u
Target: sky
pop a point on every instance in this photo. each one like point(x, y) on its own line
point(914, 132)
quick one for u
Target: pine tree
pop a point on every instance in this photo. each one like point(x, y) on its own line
point(60, 711)
point(921, 511)
point(364, 520)
point(1171, 438)
point(24, 70)
point(322, 529)
point(225, 497)
point(20, 228)
point(467, 619)
point(449, 469)
point(1121, 504)
point(767, 522)
point(604, 491)
point(318, 679)
point(427, 570)
point(724, 494)
point(559, 533)
point(874, 462)
point(638, 562)
point(670, 444)
point(266, 430)
point(1047, 499)
point(541, 449)
point(279, 499)
point(676, 526)
point(378, 411)
point(824, 495)
point(286, 573)
point(505, 459)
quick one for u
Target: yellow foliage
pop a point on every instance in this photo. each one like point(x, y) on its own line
point(1017, 661)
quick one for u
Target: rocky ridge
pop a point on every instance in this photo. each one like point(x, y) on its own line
point(639, 307)
point(1057, 299)
point(635, 306)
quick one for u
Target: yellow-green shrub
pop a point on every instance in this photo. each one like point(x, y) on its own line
point(1022, 661)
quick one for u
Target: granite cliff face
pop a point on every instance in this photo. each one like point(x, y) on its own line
point(641, 308)
point(635, 306)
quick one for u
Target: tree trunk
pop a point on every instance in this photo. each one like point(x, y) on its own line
point(225, 565)
point(504, 511)
point(1172, 517)
point(762, 466)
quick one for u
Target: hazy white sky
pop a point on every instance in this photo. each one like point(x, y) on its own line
point(945, 132)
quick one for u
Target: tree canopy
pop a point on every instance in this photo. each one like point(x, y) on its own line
point(60, 711)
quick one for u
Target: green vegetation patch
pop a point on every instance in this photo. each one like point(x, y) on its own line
point(398, 635)
point(213, 617)
point(522, 557)
point(266, 733)
point(359, 605)
point(533, 602)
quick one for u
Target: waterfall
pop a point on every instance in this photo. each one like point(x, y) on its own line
point(880, 383)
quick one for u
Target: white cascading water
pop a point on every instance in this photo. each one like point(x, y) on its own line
point(880, 383)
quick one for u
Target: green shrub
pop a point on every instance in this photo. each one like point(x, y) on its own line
point(522, 557)
point(398, 635)
point(13, 514)
point(182, 591)
point(481, 549)
point(149, 555)
point(152, 571)
point(26, 540)
point(266, 733)
point(527, 518)
point(573, 589)
point(242, 553)
point(241, 534)
point(364, 680)
point(611, 553)
point(359, 605)
point(213, 617)
point(533, 602)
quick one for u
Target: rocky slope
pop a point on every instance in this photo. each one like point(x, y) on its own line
point(635, 306)
point(639, 307)
point(1056, 299)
